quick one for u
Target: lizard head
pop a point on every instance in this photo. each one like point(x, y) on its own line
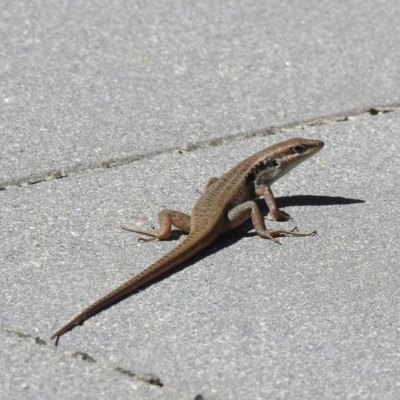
point(275, 161)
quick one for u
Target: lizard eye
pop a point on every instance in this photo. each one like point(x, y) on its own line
point(299, 148)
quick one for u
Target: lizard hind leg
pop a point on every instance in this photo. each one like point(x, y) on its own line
point(208, 184)
point(211, 181)
point(167, 219)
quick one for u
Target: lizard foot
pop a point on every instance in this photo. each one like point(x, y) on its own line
point(292, 232)
point(153, 234)
point(282, 216)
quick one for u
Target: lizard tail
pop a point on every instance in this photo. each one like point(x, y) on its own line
point(186, 249)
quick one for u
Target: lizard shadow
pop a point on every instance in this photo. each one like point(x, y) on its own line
point(309, 200)
point(229, 238)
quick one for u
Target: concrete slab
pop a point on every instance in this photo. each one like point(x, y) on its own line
point(92, 85)
point(316, 317)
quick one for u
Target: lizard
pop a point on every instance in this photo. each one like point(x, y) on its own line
point(226, 203)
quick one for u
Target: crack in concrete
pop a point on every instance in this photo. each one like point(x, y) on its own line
point(273, 130)
point(149, 378)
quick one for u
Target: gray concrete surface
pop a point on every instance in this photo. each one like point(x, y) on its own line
point(86, 84)
point(94, 85)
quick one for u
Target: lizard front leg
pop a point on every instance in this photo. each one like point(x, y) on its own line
point(167, 219)
point(250, 209)
point(276, 213)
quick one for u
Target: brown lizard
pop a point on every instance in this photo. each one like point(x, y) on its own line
point(226, 203)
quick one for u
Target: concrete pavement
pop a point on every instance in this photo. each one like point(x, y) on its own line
point(135, 105)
